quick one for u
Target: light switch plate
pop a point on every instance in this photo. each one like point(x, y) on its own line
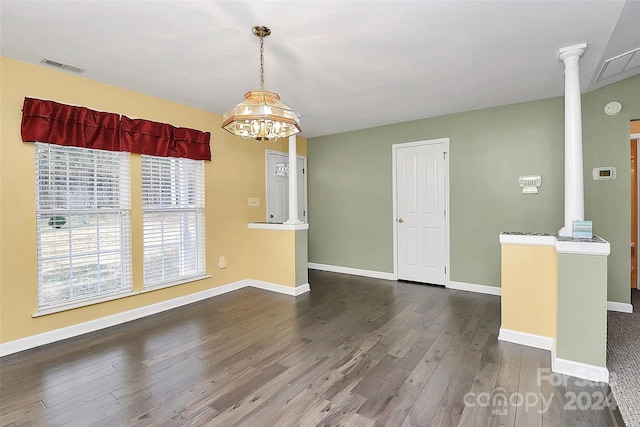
point(254, 201)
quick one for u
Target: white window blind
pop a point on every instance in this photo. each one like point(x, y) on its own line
point(83, 224)
point(173, 219)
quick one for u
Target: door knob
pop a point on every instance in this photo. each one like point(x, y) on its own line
point(400, 220)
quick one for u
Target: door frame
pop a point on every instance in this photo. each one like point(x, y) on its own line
point(635, 139)
point(394, 153)
point(267, 152)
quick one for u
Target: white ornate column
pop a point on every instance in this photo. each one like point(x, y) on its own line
point(573, 168)
point(293, 182)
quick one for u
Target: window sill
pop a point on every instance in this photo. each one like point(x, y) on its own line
point(99, 300)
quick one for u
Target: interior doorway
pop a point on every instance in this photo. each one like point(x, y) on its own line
point(277, 179)
point(421, 226)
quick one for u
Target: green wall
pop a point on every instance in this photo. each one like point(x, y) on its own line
point(350, 184)
point(608, 203)
point(582, 311)
point(302, 257)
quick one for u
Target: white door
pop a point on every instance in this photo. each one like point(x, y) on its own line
point(278, 187)
point(421, 203)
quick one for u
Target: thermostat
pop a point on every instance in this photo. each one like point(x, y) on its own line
point(608, 172)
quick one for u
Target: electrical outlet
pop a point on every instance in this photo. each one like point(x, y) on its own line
point(222, 262)
point(254, 201)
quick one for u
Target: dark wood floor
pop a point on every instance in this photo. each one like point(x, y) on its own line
point(352, 352)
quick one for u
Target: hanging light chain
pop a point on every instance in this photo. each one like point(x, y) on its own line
point(262, 62)
point(262, 32)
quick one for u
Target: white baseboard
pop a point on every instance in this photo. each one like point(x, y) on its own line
point(523, 338)
point(481, 289)
point(138, 313)
point(579, 370)
point(302, 289)
point(558, 365)
point(619, 306)
point(353, 271)
point(273, 287)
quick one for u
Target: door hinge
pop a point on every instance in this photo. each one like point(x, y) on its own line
point(445, 155)
point(445, 213)
point(445, 270)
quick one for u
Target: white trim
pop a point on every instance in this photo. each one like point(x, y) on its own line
point(353, 271)
point(579, 370)
point(394, 197)
point(526, 240)
point(301, 289)
point(471, 287)
point(583, 248)
point(636, 137)
point(622, 307)
point(137, 313)
point(577, 247)
point(281, 289)
point(274, 226)
point(394, 150)
point(114, 319)
point(523, 338)
point(558, 365)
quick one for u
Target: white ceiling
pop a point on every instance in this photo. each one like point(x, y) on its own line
point(342, 65)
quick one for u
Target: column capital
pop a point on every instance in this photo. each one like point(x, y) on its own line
point(567, 52)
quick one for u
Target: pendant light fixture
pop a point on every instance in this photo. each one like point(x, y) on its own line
point(261, 116)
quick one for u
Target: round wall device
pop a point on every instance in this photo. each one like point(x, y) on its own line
point(613, 108)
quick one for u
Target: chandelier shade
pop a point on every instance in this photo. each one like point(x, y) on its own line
point(261, 116)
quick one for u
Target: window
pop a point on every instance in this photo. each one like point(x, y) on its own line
point(173, 219)
point(83, 224)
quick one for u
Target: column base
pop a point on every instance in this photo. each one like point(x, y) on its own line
point(293, 222)
point(566, 232)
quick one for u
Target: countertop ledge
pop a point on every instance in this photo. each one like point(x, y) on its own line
point(277, 226)
point(563, 244)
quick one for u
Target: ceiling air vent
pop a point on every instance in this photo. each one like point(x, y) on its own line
point(62, 66)
point(619, 64)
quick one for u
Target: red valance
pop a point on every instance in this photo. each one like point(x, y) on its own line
point(163, 140)
point(191, 143)
point(145, 137)
point(60, 124)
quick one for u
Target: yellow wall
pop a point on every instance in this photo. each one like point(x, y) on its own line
point(267, 256)
point(529, 290)
point(236, 172)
